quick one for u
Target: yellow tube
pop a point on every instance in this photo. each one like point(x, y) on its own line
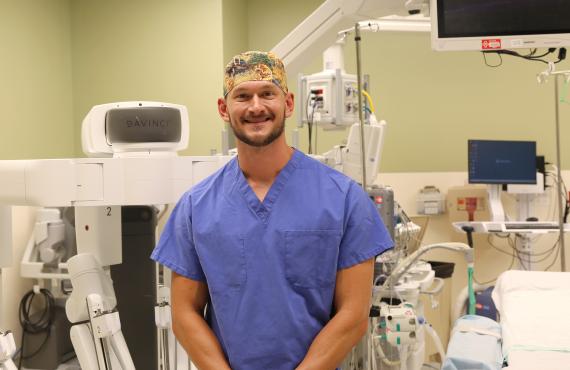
point(367, 95)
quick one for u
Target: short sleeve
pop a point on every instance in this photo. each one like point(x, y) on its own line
point(176, 249)
point(365, 235)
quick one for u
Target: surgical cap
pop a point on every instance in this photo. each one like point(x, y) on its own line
point(254, 66)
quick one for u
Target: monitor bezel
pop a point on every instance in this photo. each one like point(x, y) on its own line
point(492, 42)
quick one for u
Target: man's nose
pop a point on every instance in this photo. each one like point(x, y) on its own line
point(256, 105)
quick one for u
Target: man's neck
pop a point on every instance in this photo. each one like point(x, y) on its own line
point(261, 165)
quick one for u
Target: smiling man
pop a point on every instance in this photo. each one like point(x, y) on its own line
point(277, 247)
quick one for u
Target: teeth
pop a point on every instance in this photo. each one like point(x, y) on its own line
point(256, 120)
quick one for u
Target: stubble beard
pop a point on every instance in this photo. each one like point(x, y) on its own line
point(264, 141)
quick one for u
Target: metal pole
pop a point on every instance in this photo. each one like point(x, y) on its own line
point(360, 107)
point(559, 173)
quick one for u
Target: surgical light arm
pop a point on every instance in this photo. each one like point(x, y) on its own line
point(320, 29)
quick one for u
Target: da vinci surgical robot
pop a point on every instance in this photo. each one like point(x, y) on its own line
point(132, 149)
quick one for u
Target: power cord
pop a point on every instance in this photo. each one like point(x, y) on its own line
point(42, 324)
point(314, 99)
point(531, 56)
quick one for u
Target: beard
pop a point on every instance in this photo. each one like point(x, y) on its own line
point(258, 142)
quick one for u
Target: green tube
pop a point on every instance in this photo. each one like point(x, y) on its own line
point(471, 290)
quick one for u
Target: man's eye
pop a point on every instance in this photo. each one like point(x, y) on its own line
point(241, 96)
point(269, 94)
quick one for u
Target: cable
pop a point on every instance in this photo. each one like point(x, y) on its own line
point(311, 125)
point(541, 55)
point(406, 264)
point(531, 57)
point(309, 128)
point(554, 175)
point(310, 121)
point(520, 255)
point(564, 195)
point(316, 140)
point(490, 65)
point(500, 250)
point(554, 260)
point(496, 247)
point(546, 253)
point(42, 325)
point(519, 258)
point(369, 98)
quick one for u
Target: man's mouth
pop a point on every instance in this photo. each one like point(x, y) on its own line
point(257, 120)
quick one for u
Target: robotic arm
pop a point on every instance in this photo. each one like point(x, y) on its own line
point(7, 344)
point(7, 350)
point(91, 308)
point(49, 234)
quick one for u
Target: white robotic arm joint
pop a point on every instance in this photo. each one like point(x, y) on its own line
point(162, 312)
point(104, 322)
point(7, 350)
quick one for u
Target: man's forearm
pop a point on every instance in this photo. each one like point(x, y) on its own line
point(199, 341)
point(334, 342)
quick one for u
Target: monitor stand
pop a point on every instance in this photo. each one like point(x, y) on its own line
point(495, 204)
point(524, 245)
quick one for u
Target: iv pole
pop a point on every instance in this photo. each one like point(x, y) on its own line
point(543, 77)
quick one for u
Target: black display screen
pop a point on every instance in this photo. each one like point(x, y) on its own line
point(476, 18)
point(501, 162)
point(143, 125)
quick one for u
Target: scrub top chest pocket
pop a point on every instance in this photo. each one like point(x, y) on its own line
point(311, 257)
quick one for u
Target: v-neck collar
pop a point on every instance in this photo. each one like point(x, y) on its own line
point(263, 209)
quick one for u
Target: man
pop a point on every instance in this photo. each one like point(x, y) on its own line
point(278, 246)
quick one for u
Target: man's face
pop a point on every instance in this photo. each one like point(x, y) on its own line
point(256, 111)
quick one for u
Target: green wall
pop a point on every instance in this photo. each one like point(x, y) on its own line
point(61, 57)
point(234, 14)
point(235, 29)
point(35, 80)
point(433, 102)
point(167, 51)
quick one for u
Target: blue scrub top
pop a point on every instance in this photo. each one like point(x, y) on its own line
point(271, 266)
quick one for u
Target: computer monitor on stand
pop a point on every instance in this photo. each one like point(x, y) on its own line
point(497, 163)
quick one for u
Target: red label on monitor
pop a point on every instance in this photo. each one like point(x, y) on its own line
point(490, 44)
point(378, 200)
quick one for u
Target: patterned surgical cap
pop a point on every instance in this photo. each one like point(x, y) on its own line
point(254, 66)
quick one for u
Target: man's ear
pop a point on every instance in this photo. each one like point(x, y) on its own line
point(223, 109)
point(289, 104)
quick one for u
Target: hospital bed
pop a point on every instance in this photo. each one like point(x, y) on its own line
point(534, 330)
point(533, 307)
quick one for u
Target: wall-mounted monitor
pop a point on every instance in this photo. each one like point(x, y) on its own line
point(488, 25)
point(501, 162)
